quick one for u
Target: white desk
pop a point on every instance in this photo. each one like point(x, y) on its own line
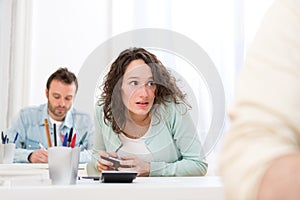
point(154, 188)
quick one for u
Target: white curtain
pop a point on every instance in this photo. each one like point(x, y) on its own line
point(5, 41)
point(14, 57)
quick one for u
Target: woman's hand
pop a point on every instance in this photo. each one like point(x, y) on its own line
point(104, 164)
point(134, 164)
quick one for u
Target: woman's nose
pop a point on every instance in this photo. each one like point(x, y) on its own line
point(143, 91)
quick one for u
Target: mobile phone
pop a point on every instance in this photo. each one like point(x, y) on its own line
point(115, 161)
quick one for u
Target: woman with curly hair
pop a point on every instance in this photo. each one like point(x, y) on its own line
point(142, 119)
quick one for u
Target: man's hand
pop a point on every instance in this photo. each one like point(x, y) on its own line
point(39, 156)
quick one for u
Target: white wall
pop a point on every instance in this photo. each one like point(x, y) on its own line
point(64, 33)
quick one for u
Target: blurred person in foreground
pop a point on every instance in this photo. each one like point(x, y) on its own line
point(260, 158)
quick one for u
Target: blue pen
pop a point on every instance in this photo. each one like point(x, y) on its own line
point(4, 140)
point(65, 142)
point(16, 137)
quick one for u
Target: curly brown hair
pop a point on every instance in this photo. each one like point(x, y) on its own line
point(111, 100)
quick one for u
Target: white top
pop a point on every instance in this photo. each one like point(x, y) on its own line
point(135, 147)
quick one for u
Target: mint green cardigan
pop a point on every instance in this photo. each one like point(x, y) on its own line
point(172, 140)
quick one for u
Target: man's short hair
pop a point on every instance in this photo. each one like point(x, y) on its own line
point(63, 75)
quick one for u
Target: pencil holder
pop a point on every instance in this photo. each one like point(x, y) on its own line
point(7, 152)
point(63, 165)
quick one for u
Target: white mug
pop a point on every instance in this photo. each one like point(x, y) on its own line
point(63, 165)
point(7, 153)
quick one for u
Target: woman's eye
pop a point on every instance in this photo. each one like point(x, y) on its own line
point(133, 83)
point(150, 83)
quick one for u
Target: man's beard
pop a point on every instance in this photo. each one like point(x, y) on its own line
point(57, 114)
